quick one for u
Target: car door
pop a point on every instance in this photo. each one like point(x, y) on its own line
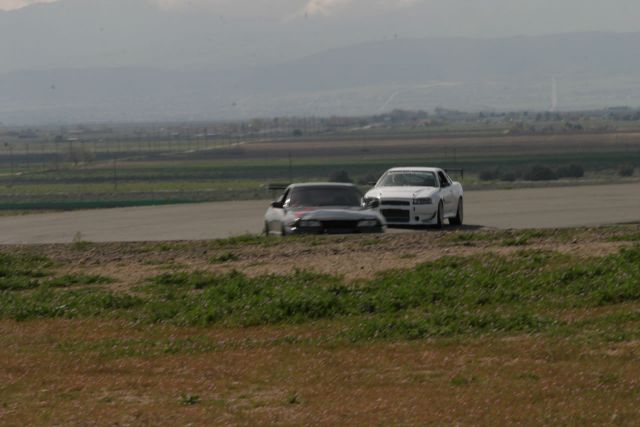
point(276, 214)
point(455, 192)
point(446, 194)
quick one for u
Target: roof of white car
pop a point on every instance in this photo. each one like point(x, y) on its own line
point(322, 184)
point(414, 169)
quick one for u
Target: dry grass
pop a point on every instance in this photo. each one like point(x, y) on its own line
point(79, 372)
point(100, 371)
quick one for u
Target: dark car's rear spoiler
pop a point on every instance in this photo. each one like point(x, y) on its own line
point(277, 187)
point(459, 172)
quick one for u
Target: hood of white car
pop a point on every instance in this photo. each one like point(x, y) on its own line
point(401, 192)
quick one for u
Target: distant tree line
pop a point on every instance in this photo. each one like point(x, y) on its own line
point(544, 173)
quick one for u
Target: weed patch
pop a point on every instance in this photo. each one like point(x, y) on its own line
point(244, 240)
point(49, 303)
point(79, 280)
point(526, 291)
point(22, 271)
point(460, 380)
point(630, 237)
point(523, 238)
point(189, 399)
point(469, 237)
point(79, 244)
point(224, 257)
point(293, 399)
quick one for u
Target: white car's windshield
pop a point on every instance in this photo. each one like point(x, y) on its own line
point(409, 179)
point(325, 196)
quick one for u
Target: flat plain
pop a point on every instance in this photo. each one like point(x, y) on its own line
point(240, 169)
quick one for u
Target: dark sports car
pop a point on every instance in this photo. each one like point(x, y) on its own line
point(322, 208)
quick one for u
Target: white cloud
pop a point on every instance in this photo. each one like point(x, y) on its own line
point(289, 8)
point(181, 4)
point(324, 7)
point(17, 4)
point(328, 7)
point(165, 4)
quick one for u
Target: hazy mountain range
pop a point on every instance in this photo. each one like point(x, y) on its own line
point(136, 62)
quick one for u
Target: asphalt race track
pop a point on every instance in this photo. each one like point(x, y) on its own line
point(528, 208)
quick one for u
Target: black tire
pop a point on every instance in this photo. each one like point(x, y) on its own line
point(440, 216)
point(459, 218)
point(265, 230)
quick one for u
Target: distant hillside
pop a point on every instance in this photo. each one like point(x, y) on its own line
point(420, 60)
point(591, 70)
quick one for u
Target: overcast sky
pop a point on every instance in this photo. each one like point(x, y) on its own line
point(417, 18)
point(230, 33)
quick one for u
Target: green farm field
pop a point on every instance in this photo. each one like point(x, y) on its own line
point(241, 169)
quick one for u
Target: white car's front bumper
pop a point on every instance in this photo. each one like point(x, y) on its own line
point(404, 212)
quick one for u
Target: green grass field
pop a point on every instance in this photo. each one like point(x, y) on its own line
point(525, 292)
point(247, 180)
point(532, 327)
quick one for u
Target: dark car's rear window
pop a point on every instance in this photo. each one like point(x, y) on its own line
point(325, 196)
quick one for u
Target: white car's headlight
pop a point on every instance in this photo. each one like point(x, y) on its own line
point(368, 223)
point(423, 201)
point(309, 223)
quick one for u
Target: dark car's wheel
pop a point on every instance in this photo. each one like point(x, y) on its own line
point(457, 220)
point(265, 230)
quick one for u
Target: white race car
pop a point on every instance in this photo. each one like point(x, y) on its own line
point(418, 196)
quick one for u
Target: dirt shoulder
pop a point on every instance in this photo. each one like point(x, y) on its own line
point(351, 257)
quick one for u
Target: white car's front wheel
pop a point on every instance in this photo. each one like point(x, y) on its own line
point(440, 216)
point(457, 220)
